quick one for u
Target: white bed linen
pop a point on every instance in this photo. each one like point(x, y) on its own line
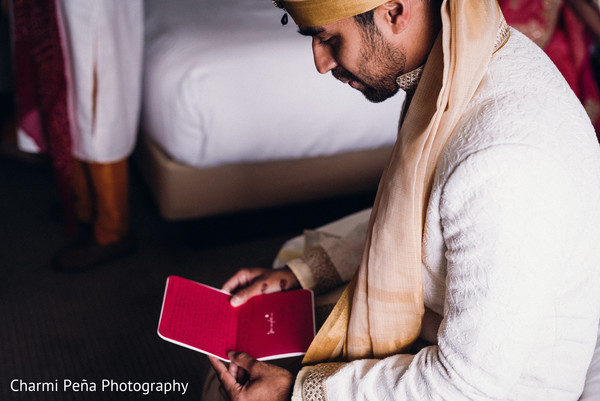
point(226, 82)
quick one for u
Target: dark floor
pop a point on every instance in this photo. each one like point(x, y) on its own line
point(101, 324)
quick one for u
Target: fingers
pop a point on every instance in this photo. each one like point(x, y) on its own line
point(270, 281)
point(228, 381)
point(233, 370)
point(266, 381)
point(243, 360)
point(263, 381)
point(242, 279)
point(247, 283)
point(217, 365)
point(243, 295)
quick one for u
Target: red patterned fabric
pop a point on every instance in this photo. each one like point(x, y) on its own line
point(41, 88)
point(565, 39)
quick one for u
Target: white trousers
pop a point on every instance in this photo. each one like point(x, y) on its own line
point(104, 41)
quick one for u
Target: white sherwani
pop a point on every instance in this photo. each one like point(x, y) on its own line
point(511, 251)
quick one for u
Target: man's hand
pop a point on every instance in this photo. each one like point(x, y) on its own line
point(258, 381)
point(247, 283)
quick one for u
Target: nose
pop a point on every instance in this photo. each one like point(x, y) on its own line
point(324, 58)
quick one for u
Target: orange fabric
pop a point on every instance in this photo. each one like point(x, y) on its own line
point(110, 182)
point(82, 192)
point(102, 198)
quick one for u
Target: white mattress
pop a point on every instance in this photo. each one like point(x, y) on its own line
point(226, 82)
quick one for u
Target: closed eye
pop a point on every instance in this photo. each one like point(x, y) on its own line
point(330, 41)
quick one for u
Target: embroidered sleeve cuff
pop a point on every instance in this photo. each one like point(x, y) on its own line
point(310, 382)
point(303, 273)
point(316, 271)
point(297, 394)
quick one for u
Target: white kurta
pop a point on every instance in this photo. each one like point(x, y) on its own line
point(511, 249)
point(105, 47)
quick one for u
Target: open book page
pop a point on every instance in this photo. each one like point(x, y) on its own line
point(268, 326)
point(276, 325)
point(198, 317)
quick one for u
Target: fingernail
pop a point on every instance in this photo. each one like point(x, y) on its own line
point(236, 301)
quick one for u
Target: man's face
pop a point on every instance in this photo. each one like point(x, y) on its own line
point(359, 56)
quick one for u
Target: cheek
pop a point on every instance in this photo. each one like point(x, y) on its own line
point(348, 59)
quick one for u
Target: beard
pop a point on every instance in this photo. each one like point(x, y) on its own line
point(378, 68)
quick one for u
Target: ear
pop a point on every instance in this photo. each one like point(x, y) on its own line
point(396, 14)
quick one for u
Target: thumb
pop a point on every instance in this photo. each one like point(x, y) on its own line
point(243, 360)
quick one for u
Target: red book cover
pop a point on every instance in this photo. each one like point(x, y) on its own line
point(267, 326)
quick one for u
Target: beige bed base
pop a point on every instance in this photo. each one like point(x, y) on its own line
point(185, 192)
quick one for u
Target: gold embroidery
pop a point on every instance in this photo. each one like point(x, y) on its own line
point(313, 388)
point(503, 35)
point(326, 276)
point(408, 82)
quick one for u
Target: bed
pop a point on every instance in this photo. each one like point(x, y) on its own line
point(236, 117)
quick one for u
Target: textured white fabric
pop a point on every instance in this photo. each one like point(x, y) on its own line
point(105, 40)
point(343, 240)
point(225, 82)
point(339, 228)
point(511, 250)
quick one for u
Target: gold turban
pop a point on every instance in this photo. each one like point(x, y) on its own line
point(319, 12)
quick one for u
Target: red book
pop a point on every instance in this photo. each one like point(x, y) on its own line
point(267, 326)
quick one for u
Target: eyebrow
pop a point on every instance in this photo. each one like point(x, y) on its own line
point(310, 31)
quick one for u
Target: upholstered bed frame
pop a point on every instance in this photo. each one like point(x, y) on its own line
point(182, 191)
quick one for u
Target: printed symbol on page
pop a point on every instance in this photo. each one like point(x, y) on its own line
point(271, 321)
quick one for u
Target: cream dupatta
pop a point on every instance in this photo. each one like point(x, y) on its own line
point(380, 312)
